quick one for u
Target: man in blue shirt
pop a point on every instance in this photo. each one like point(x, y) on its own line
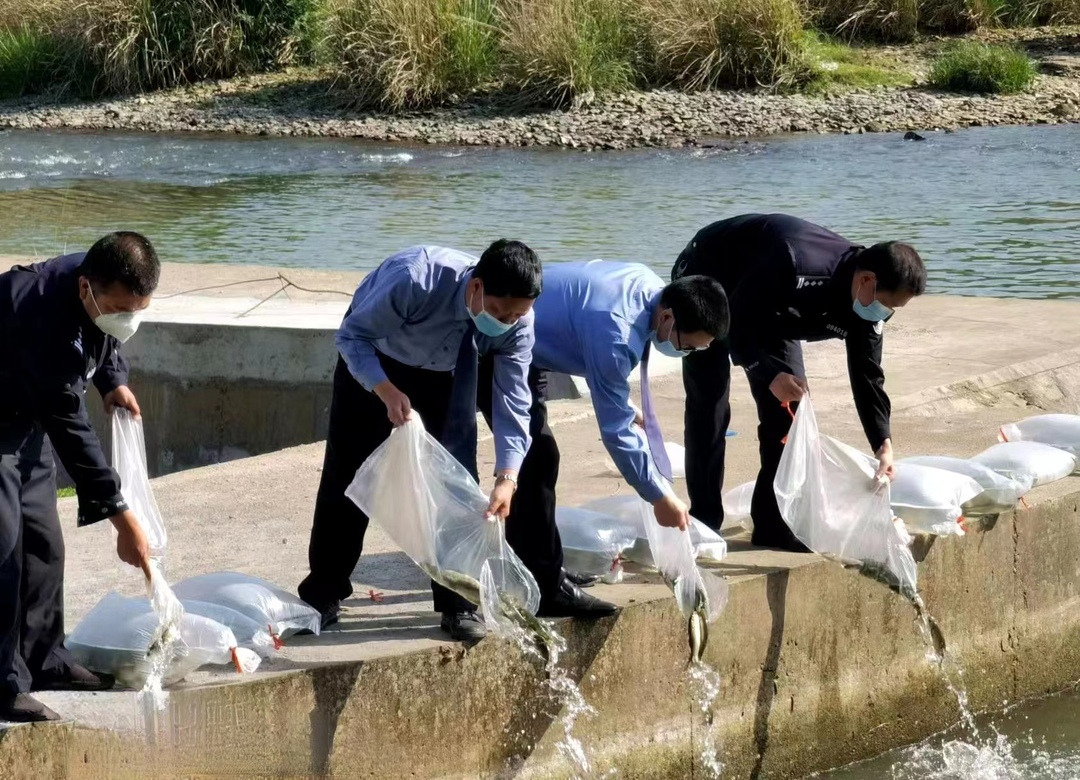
point(411, 340)
point(599, 320)
point(61, 326)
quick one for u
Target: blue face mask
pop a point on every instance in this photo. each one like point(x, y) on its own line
point(665, 347)
point(875, 312)
point(487, 324)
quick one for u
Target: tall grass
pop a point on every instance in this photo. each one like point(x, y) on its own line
point(29, 61)
point(404, 53)
point(902, 20)
point(700, 44)
point(970, 66)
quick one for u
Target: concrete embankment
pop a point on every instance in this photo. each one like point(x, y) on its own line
point(818, 666)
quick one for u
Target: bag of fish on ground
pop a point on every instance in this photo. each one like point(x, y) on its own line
point(931, 500)
point(623, 520)
point(274, 610)
point(828, 495)
point(999, 492)
point(1061, 431)
point(430, 505)
point(1028, 462)
point(593, 545)
point(128, 639)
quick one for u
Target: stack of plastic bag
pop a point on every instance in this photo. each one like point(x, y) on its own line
point(592, 544)
point(434, 510)
point(930, 500)
point(126, 638)
point(280, 612)
point(828, 496)
point(737, 502)
point(999, 493)
point(1028, 462)
point(1057, 430)
point(249, 634)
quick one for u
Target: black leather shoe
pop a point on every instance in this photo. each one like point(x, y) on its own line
point(463, 627)
point(24, 708)
point(73, 678)
point(570, 601)
point(582, 580)
point(329, 614)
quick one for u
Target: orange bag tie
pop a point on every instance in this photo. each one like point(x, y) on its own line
point(236, 661)
point(278, 644)
point(787, 407)
point(375, 595)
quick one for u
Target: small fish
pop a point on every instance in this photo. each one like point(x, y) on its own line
point(462, 584)
point(879, 573)
point(697, 625)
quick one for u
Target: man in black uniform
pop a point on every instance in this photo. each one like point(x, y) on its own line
point(61, 322)
point(787, 281)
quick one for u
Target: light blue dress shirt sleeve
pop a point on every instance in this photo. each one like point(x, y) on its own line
point(511, 397)
point(609, 359)
point(379, 309)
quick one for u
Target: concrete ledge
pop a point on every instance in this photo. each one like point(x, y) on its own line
point(819, 667)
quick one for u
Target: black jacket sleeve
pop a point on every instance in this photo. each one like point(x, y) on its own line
point(867, 377)
point(113, 371)
point(767, 285)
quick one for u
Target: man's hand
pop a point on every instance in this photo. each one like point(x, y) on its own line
point(788, 388)
point(398, 407)
point(670, 512)
point(501, 498)
point(131, 544)
point(122, 397)
point(886, 468)
point(639, 418)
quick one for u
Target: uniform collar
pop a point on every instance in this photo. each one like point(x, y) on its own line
point(461, 309)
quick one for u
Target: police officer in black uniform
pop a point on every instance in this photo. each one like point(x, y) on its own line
point(61, 325)
point(787, 281)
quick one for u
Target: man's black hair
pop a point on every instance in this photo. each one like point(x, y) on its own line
point(509, 269)
point(698, 303)
point(127, 259)
point(897, 266)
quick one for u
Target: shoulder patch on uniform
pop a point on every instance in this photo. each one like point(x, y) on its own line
point(879, 326)
point(802, 282)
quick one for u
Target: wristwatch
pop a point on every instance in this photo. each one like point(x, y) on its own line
point(509, 478)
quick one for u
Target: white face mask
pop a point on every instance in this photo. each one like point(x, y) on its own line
point(120, 325)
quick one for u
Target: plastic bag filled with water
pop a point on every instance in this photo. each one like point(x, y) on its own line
point(430, 505)
point(999, 493)
point(1028, 461)
point(281, 612)
point(1057, 430)
point(930, 500)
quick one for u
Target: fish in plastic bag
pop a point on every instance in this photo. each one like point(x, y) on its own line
point(263, 602)
point(124, 637)
point(930, 500)
point(701, 595)
point(828, 496)
point(433, 509)
point(1028, 461)
point(1057, 430)
point(249, 634)
point(592, 545)
point(737, 502)
point(129, 460)
point(626, 516)
point(999, 493)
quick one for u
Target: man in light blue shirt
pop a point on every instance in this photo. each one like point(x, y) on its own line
point(599, 320)
point(411, 340)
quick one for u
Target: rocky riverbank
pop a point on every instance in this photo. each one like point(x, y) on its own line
point(304, 104)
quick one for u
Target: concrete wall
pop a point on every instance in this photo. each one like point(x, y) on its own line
point(819, 667)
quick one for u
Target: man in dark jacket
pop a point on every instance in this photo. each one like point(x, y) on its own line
point(61, 325)
point(787, 281)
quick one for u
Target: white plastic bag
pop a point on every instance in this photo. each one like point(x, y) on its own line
point(434, 510)
point(828, 496)
point(628, 514)
point(737, 503)
point(129, 460)
point(593, 545)
point(124, 637)
point(1057, 430)
point(268, 605)
point(999, 493)
point(677, 456)
point(249, 634)
point(930, 500)
point(1028, 461)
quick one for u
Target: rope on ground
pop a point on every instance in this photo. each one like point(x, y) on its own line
point(283, 280)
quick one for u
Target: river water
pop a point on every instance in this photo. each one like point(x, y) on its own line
point(995, 211)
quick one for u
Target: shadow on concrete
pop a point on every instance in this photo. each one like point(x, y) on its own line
point(332, 686)
point(776, 593)
point(390, 570)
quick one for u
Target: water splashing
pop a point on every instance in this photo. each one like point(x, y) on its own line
point(705, 687)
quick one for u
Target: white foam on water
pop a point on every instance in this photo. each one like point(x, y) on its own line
point(56, 159)
point(397, 157)
point(12, 175)
point(960, 760)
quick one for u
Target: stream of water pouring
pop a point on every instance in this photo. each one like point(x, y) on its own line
point(705, 687)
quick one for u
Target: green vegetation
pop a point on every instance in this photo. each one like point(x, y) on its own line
point(970, 66)
point(65, 493)
point(837, 66)
point(400, 54)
